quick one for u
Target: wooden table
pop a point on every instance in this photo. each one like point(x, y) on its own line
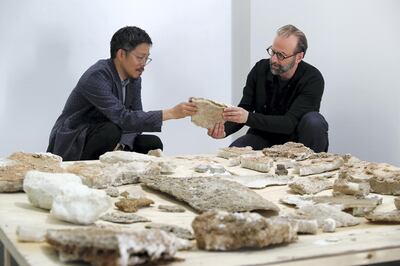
point(362, 244)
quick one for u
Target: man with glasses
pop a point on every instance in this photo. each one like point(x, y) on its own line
point(281, 99)
point(104, 111)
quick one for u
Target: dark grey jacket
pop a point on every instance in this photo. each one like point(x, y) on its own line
point(97, 98)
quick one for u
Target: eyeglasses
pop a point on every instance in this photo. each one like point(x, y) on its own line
point(142, 59)
point(280, 56)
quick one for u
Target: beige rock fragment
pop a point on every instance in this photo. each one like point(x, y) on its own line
point(233, 152)
point(320, 212)
point(290, 150)
point(101, 246)
point(171, 208)
point(257, 163)
point(132, 205)
point(385, 178)
point(207, 193)
point(397, 202)
point(259, 181)
point(220, 230)
point(329, 225)
point(123, 218)
point(173, 229)
point(14, 168)
point(342, 186)
point(387, 217)
point(156, 153)
point(304, 185)
point(112, 192)
point(208, 112)
point(319, 165)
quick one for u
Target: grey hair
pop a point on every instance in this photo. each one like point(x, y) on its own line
point(289, 30)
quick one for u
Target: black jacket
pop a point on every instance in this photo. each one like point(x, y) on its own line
point(275, 111)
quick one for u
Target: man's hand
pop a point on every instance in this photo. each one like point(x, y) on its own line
point(179, 111)
point(217, 132)
point(235, 114)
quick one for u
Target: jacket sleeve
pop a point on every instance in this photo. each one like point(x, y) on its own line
point(97, 89)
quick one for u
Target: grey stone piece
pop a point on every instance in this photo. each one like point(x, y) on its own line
point(112, 192)
point(173, 229)
point(208, 112)
point(217, 168)
point(207, 193)
point(281, 169)
point(123, 218)
point(320, 212)
point(220, 230)
point(102, 246)
point(14, 168)
point(259, 181)
point(387, 217)
point(171, 208)
point(202, 168)
point(310, 185)
point(257, 163)
point(290, 150)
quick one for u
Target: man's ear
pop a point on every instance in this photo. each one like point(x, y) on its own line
point(299, 57)
point(120, 54)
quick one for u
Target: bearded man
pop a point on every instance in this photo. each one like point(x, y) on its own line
point(281, 99)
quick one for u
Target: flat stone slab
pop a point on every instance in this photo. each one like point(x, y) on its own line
point(310, 185)
point(174, 229)
point(386, 217)
point(290, 150)
point(123, 218)
point(208, 112)
point(259, 181)
point(207, 193)
point(171, 208)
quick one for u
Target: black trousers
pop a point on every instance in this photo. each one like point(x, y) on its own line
point(103, 137)
point(312, 131)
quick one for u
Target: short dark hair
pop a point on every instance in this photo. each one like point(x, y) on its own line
point(128, 38)
point(289, 30)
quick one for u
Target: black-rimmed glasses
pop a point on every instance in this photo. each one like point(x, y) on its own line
point(279, 55)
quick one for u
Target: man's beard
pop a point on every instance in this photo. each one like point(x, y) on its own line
point(281, 69)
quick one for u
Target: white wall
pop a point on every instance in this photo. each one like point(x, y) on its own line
point(47, 46)
point(354, 43)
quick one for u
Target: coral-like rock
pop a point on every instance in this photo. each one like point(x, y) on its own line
point(291, 150)
point(123, 218)
point(257, 163)
point(208, 112)
point(132, 205)
point(310, 185)
point(220, 230)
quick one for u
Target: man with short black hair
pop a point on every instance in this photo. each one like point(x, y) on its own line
point(104, 111)
point(281, 99)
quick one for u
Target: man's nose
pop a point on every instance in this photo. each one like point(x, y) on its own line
point(274, 58)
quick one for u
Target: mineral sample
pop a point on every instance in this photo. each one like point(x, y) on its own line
point(304, 185)
point(387, 217)
point(289, 150)
point(208, 112)
point(257, 163)
point(220, 230)
point(207, 193)
point(100, 246)
point(171, 208)
point(173, 229)
point(232, 152)
point(132, 205)
point(14, 168)
point(123, 218)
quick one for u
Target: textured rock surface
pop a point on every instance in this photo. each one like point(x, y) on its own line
point(291, 150)
point(173, 229)
point(123, 218)
point(232, 152)
point(156, 153)
point(342, 186)
point(101, 246)
point(132, 205)
point(14, 168)
point(259, 181)
point(310, 185)
point(329, 225)
point(257, 163)
point(385, 178)
point(102, 175)
point(207, 193)
point(320, 212)
point(220, 230)
point(80, 204)
point(171, 208)
point(208, 112)
point(397, 202)
point(319, 165)
point(42, 187)
point(112, 192)
point(389, 217)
